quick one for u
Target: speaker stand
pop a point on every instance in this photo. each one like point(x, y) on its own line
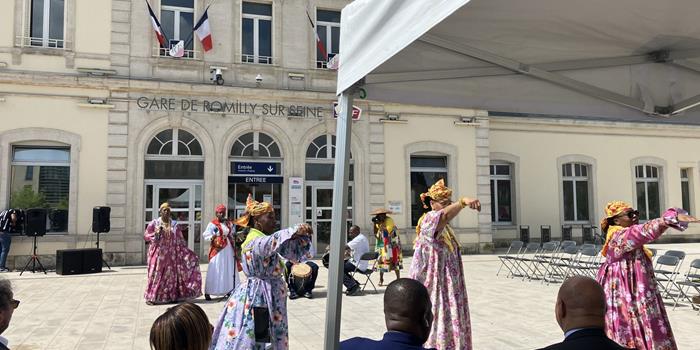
point(98, 247)
point(34, 259)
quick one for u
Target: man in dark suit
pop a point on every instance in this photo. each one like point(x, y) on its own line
point(580, 312)
point(408, 317)
point(7, 307)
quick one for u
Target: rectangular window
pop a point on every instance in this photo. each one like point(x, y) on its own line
point(576, 192)
point(46, 23)
point(648, 193)
point(328, 30)
point(40, 178)
point(177, 20)
point(685, 189)
point(501, 193)
point(256, 33)
point(425, 171)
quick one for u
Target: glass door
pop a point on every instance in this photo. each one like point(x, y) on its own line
point(319, 213)
point(185, 200)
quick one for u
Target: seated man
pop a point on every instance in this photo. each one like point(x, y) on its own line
point(357, 246)
point(309, 284)
point(408, 317)
point(580, 312)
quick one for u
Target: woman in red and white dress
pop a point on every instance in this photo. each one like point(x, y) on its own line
point(222, 275)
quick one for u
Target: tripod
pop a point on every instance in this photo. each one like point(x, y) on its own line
point(102, 255)
point(34, 259)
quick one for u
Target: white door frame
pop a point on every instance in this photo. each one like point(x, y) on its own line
point(191, 210)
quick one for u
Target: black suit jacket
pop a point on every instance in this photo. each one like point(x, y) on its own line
point(591, 338)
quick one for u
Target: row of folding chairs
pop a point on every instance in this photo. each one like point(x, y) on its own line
point(673, 285)
point(552, 261)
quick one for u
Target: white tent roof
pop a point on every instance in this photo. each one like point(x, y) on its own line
point(635, 60)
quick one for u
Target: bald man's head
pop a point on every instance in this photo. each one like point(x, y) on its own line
point(580, 304)
point(407, 308)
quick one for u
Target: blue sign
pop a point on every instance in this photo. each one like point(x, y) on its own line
point(255, 168)
point(255, 179)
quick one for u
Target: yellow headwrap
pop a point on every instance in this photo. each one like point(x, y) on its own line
point(612, 210)
point(163, 206)
point(437, 192)
point(253, 208)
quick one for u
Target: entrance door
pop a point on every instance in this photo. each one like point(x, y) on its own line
point(319, 211)
point(185, 200)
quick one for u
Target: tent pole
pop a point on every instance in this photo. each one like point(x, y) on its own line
point(338, 221)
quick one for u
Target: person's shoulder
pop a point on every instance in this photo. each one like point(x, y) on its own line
point(358, 343)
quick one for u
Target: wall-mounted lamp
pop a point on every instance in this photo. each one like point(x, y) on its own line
point(392, 118)
point(296, 76)
point(97, 71)
point(96, 102)
point(467, 121)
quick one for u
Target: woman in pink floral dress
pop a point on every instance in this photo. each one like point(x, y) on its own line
point(635, 317)
point(173, 269)
point(437, 263)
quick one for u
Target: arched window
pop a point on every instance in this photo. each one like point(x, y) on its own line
point(162, 144)
point(320, 159)
point(319, 174)
point(174, 173)
point(256, 168)
point(255, 144)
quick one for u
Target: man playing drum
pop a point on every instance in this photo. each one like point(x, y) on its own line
point(301, 277)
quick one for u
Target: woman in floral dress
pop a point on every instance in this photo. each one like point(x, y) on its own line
point(635, 317)
point(265, 287)
point(173, 269)
point(437, 264)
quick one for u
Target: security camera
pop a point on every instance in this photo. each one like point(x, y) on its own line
point(258, 78)
point(216, 76)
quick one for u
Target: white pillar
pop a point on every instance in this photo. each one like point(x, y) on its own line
point(339, 222)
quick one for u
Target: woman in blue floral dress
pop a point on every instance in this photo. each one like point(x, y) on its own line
point(264, 287)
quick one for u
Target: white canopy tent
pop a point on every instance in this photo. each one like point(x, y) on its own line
point(622, 60)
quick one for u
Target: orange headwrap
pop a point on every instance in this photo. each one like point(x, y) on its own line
point(220, 208)
point(253, 208)
point(612, 210)
point(437, 192)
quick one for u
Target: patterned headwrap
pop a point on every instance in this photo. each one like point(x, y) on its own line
point(220, 208)
point(253, 208)
point(437, 192)
point(612, 210)
point(164, 205)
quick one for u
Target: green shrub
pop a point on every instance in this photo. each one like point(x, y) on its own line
point(27, 198)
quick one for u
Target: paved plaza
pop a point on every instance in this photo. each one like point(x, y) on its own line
point(107, 310)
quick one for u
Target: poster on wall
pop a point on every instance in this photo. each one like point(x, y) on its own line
point(395, 207)
point(296, 198)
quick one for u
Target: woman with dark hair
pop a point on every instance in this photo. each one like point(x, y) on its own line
point(173, 269)
point(636, 316)
point(183, 327)
point(256, 313)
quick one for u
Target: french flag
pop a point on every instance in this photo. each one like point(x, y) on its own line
point(319, 43)
point(203, 31)
point(156, 26)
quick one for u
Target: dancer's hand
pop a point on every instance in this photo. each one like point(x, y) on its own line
point(472, 203)
point(687, 218)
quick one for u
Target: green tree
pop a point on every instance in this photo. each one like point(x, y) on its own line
point(27, 198)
